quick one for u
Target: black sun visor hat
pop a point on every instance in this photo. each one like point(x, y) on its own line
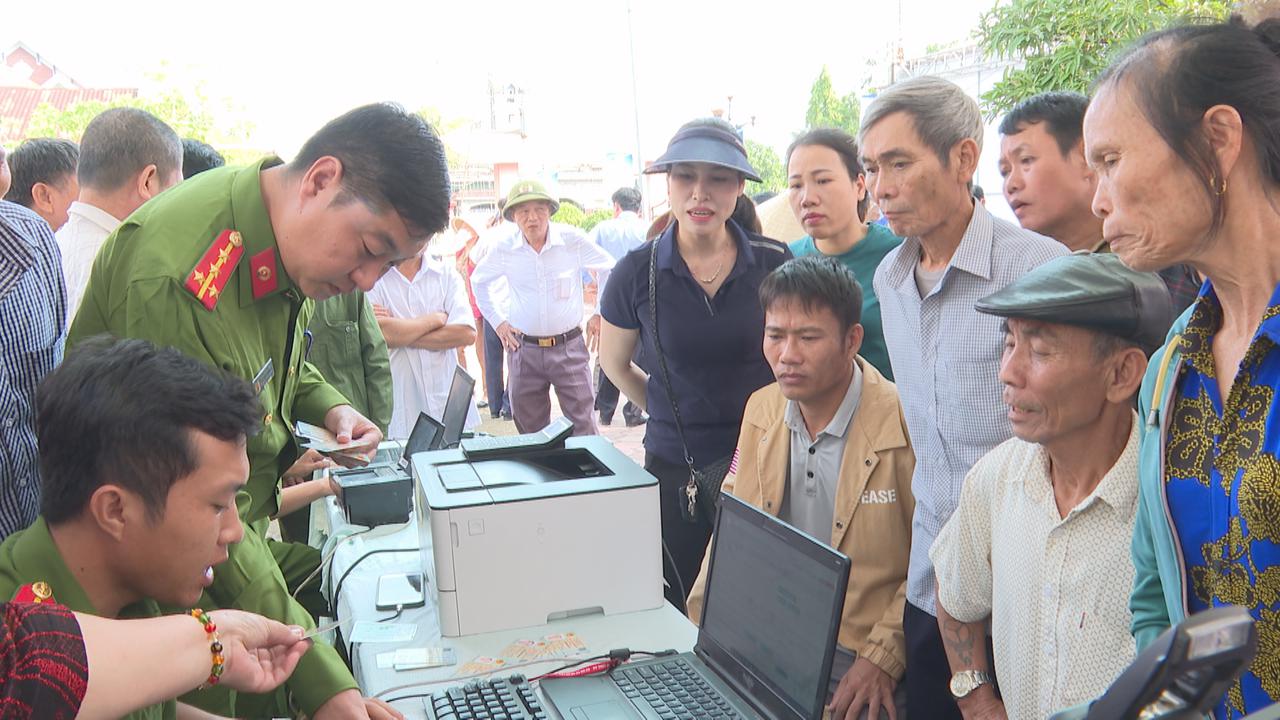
point(705, 144)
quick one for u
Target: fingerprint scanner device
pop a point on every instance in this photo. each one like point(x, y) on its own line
point(522, 535)
point(1184, 673)
point(382, 493)
point(771, 615)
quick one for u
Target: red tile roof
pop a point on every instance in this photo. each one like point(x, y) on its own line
point(18, 103)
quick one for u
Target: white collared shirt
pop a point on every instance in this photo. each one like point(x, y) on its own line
point(80, 239)
point(421, 378)
point(545, 288)
point(1056, 589)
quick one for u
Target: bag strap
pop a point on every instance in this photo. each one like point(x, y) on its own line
point(657, 344)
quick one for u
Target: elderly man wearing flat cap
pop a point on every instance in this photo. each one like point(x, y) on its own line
point(541, 323)
point(1039, 544)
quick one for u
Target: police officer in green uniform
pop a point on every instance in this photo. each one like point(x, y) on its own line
point(222, 267)
point(142, 454)
point(346, 345)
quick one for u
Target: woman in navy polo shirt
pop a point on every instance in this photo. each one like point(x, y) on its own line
point(710, 323)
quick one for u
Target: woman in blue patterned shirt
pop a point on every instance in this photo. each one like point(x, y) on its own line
point(1184, 133)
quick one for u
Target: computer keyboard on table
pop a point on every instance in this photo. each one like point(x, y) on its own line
point(674, 689)
point(509, 698)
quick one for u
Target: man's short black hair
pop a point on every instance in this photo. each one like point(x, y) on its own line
point(977, 192)
point(199, 156)
point(815, 281)
point(627, 198)
point(120, 142)
point(40, 160)
point(1061, 112)
point(121, 412)
point(391, 159)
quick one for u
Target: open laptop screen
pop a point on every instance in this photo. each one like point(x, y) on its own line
point(427, 434)
point(456, 406)
point(774, 599)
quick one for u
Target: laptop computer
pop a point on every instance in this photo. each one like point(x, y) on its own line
point(773, 603)
point(456, 408)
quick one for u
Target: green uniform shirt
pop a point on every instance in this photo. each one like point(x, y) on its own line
point(348, 348)
point(29, 556)
point(136, 289)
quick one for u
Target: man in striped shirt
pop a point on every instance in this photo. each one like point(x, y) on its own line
point(33, 327)
point(920, 143)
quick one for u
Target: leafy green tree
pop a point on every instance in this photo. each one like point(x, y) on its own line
point(189, 114)
point(826, 109)
point(768, 166)
point(1067, 43)
point(570, 214)
point(48, 121)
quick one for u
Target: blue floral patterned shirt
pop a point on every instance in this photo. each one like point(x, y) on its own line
point(1223, 484)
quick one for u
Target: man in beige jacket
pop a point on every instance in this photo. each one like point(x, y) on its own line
point(825, 449)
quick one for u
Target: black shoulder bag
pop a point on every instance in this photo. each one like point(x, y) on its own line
point(703, 489)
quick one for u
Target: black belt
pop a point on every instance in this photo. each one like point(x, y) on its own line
point(552, 340)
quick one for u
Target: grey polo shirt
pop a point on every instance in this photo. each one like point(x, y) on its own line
point(809, 502)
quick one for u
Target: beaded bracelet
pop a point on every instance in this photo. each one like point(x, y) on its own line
point(215, 647)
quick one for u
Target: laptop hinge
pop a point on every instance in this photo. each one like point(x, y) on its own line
point(731, 680)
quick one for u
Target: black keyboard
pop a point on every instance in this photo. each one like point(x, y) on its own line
point(497, 699)
point(674, 690)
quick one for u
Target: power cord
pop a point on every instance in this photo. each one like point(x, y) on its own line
point(337, 589)
point(327, 559)
point(614, 657)
point(399, 611)
point(461, 678)
point(619, 652)
point(675, 573)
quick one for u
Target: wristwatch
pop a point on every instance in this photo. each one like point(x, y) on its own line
point(966, 681)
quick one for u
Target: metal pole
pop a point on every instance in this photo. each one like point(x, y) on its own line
point(635, 97)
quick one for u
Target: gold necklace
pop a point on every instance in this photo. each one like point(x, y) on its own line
point(713, 277)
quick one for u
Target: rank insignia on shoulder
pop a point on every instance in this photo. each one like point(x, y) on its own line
point(210, 275)
point(36, 592)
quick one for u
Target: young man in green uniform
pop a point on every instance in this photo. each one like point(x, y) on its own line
point(142, 453)
point(222, 268)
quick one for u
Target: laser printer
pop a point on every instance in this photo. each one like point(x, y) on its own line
point(529, 535)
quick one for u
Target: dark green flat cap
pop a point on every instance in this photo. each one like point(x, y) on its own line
point(1089, 290)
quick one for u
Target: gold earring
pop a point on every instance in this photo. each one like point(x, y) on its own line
point(1213, 183)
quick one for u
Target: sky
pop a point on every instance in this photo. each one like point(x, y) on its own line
point(287, 66)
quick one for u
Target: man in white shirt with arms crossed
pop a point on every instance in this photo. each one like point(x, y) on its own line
point(422, 310)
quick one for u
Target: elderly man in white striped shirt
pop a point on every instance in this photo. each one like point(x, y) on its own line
point(920, 143)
